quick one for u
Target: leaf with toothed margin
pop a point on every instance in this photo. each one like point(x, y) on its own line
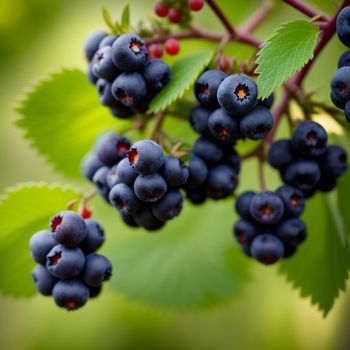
point(184, 73)
point(24, 210)
point(61, 117)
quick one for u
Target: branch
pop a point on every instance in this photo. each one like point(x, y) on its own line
point(257, 17)
point(217, 10)
point(305, 9)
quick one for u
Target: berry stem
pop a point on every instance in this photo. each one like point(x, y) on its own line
point(257, 17)
point(87, 198)
point(261, 172)
point(156, 133)
point(305, 9)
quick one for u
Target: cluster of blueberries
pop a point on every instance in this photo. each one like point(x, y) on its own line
point(306, 162)
point(125, 80)
point(269, 227)
point(67, 266)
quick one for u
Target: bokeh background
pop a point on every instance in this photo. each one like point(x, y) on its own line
point(40, 36)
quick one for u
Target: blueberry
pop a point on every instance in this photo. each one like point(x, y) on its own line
point(289, 251)
point(280, 154)
point(95, 237)
point(197, 172)
point(70, 294)
point(246, 249)
point(174, 171)
point(146, 156)
point(103, 66)
point(266, 208)
point(108, 41)
point(90, 164)
point(243, 203)
point(333, 162)
point(157, 74)
point(223, 126)
point(237, 94)
point(208, 150)
point(343, 26)
point(303, 174)
point(129, 53)
point(267, 249)
point(198, 119)
point(92, 43)
point(347, 111)
point(120, 111)
point(344, 59)
point(68, 228)
point(245, 231)
point(340, 85)
point(95, 291)
point(221, 182)
point(129, 89)
point(231, 158)
point(150, 187)
point(196, 196)
point(123, 198)
point(267, 102)
point(112, 177)
point(125, 172)
point(291, 231)
point(112, 148)
point(169, 206)
point(44, 282)
point(145, 218)
point(327, 183)
point(206, 87)
point(104, 91)
point(129, 220)
point(293, 200)
point(97, 270)
point(309, 139)
point(339, 103)
point(257, 123)
point(63, 262)
point(143, 106)
point(101, 183)
point(40, 244)
point(91, 76)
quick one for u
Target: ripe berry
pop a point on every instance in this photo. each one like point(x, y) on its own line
point(101, 183)
point(223, 126)
point(245, 231)
point(267, 249)
point(70, 294)
point(155, 51)
point(91, 76)
point(126, 174)
point(129, 89)
point(43, 281)
point(150, 187)
point(120, 111)
point(198, 119)
point(145, 156)
point(168, 206)
point(95, 237)
point(340, 84)
point(347, 111)
point(95, 291)
point(344, 59)
point(103, 66)
point(257, 123)
point(175, 15)
point(40, 244)
point(327, 183)
point(343, 26)
point(195, 5)
point(161, 9)
point(196, 196)
point(172, 47)
point(104, 91)
point(267, 102)
point(112, 177)
point(293, 200)
point(310, 139)
point(123, 198)
point(108, 41)
point(129, 220)
point(337, 102)
point(157, 74)
point(68, 228)
point(232, 159)
point(206, 87)
point(243, 203)
point(266, 207)
point(92, 43)
point(291, 231)
point(281, 154)
point(197, 172)
point(63, 262)
point(174, 171)
point(333, 162)
point(237, 94)
point(208, 150)
point(89, 165)
point(145, 218)
point(97, 270)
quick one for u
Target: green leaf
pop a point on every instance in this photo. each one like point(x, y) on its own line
point(190, 263)
point(284, 53)
point(61, 118)
point(125, 20)
point(24, 210)
point(184, 72)
point(108, 19)
point(320, 267)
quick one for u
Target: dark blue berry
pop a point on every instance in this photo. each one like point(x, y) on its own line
point(44, 282)
point(145, 218)
point(343, 26)
point(340, 85)
point(344, 59)
point(289, 251)
point(291, 231)
point(196, 196)
point(198, 119)
point(120, 111)
point(108, 41)
point(97, 270)
point(245, 231)
point(169, 206)
point(267, 249)
point(267, 102)
point(63, 262)
point(146, 156)
point(91, 76)
point(197, 172)
point(280, 154)
point(157, 74)
point(243, 203)
point(129, 53)
point(293, 200)
point(327, 183)
point(95, 291)
point(257, 123)
point(70, 294)
point(112, 177)
point(339, 103)
point(309, 139)
point(208, 150)
point(237, 94)
point(103, 66)
point(333, 162)
point(123, 198)
point(95, 237)
point(174, 171)
point(101, 183)
point(150, 187)
point(68, 228)
point(347, 111)
point(129, 220)
point(104, 91)
point(206, 87)
point(90, 164)
point(125, 172)
point(223, 126)
point(92, 43)
point(40, 244)
point(266, 208)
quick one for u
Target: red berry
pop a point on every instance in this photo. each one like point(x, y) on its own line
point(155, 51)
point(195, 5)
point(175, 15)
point(172, 46)
point(161, 9)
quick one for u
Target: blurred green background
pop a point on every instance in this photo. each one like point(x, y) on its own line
point(38, 37)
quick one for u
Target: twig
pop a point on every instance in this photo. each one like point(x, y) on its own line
point(159, 118)
point(305, 9)
point(224, 20)
point(257, 17)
